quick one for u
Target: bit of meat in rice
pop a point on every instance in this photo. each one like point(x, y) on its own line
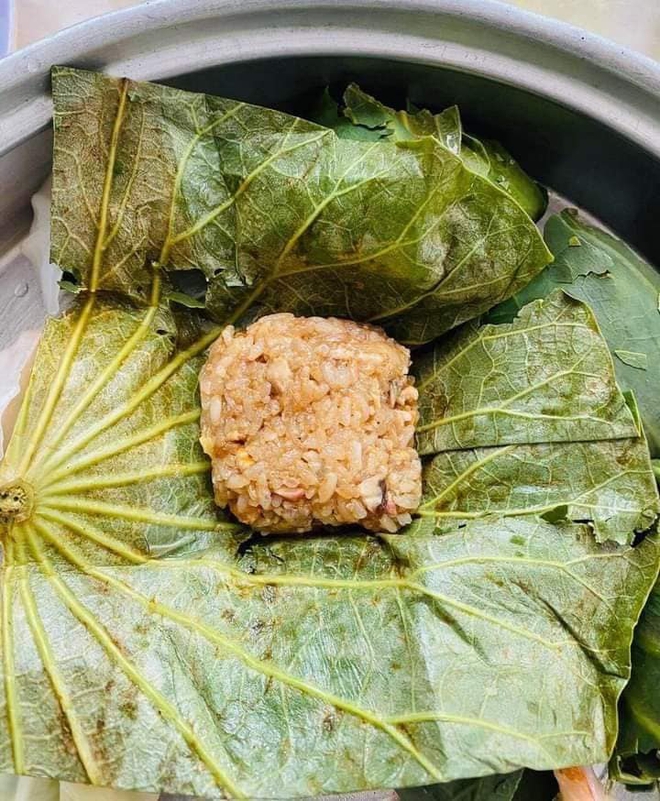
point(310, 421)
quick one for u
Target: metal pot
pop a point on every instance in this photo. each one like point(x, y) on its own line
point(581, 114)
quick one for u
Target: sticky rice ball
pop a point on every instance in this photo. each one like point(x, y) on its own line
point(310, 422)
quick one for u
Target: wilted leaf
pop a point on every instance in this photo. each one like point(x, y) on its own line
point(609, 483)
point(546, 377)
point(621, 288)
point(326, 112)
point(147, 643)
point(278, 213)
point(144, 649)
point(527, 419)
point(636, 759)
point(632, 358)
point(365, 117)
point(112, 407)
point(364, 110)
point(487, 157)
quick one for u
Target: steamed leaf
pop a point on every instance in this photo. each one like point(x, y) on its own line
point(121, 438)
point(485, 157)
point(278, 213)
point(526, 419)
point(637, 760)
point(317, 666)
point(545, 377)
point(609, 482)
point(621, 288)
point(364, 110)
point(147, 645)
point(326, 112)
point(489, 158)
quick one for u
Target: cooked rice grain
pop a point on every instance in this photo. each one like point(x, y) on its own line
point(311, 421)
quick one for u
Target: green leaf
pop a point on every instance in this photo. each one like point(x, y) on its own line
point(326, 112)
point(546, 377)
point(503, 170)
point(278, 213)
point(137, 620)
point(364, 110)
point(632, 358)
point(485, 157)
point(133, 612)
point(111, 407)
point(621, 288)
point(608, 483)
point(488, 158)
point(526, 419)
point(636, 759)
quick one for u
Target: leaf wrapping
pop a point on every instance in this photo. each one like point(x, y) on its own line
point(365, 118)
point(147, 641)
point(132, 615)
point(621, 288)
point(527, 419)
point(278, 213)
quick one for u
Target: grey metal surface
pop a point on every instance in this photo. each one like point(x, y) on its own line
point(583, 115)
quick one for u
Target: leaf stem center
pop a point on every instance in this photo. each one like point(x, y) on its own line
point(16, 501)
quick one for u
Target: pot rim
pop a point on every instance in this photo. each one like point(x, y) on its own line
point(163, 38)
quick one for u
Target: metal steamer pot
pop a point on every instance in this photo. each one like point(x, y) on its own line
point(582, 115)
